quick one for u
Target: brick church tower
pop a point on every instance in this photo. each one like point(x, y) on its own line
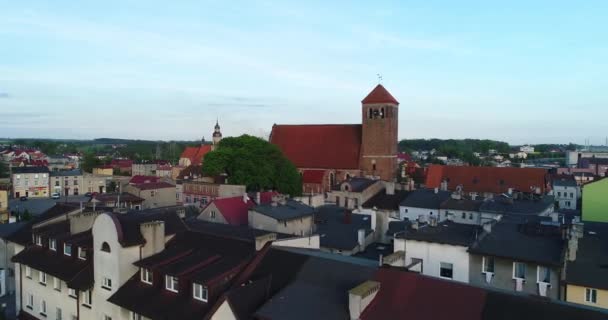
point(379, 134)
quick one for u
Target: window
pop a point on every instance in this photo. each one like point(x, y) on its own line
point(543, 274)
point(39, 240)
point(43, 307)
point(470, 216)
point(28, 272)
point(152, 193)
point(200, 292)
point(105, 247)
point(487, 264)
point(464, 215)
point(71, 292)
point(42, 277)
point(67, 249)
point(559, 194)
point(106, 317)
point(171, 283)
point(590, 295)
point(519, 270)
point(30, 301)
point(57, 284)
point(107, 283)
point(53, 244)
point(58, 314)
point(82, 254)
point(446, 270)
point(146, 276)
point(571, 195)
point(87, 298)
point(212, 214)
point(135, 316)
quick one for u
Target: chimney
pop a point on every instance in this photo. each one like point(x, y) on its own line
point(436, 190)
point(361, 239)
point(444, 185)
point(390, 188)
point(245, 197)
point(474, 196)
point(510, 191)
point(487, 227)
point(258, 197)
point(432, 221)
point(415, 225)
point(360, 297)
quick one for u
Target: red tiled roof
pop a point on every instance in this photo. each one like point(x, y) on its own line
point(379, 95)
point(313, 176)
point(143, 179)
point(328, 146)
point(408, 295)
point(487, 179)
point(234, 209)
point(154, 185)
point(403, 156)
point(266, 197)
point(122, 163)
point(196, 154)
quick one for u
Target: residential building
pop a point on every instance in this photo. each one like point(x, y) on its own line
point(164, 171)
point(595, 201)
point(527, 149)
point(105, 170)
point(122, 166)
point(422, 204)
point(283, 216)
point(461, 209)
point(139, 179)
point(573, 158)
point(586, 272)
point(519, 256)
point(61, 163)
point(200, 193)
point(353, 192)
point(384, 208)
point(231, 210)
point(566, 192)
point(96, 183)
point(143, 169)
point(193, 156)
point(124, 200)
point(155, 194)
point(30, 182)
point(70, 182)
point(598, 166)
point(518, 206)
point(488, 181)
point(342, 231)
point(437, 249)
point(368, 149)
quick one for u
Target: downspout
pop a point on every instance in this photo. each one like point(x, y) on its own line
point(21, 286)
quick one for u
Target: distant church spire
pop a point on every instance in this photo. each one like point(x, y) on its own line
point(217, 134)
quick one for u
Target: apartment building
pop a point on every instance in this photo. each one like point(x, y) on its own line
point(30, 182)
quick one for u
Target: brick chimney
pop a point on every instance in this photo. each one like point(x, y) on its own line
point(360, 297)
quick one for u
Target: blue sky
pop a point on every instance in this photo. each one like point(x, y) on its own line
point(519, 71)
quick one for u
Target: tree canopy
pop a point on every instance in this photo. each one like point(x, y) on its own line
point(89, 161)
point(255, 163)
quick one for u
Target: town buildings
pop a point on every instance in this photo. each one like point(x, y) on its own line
point(200, 193)
point(69, 182)
point(155, 194)
point(566, 192)
point(30, 182)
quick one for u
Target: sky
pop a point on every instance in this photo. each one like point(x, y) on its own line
point(516, 71)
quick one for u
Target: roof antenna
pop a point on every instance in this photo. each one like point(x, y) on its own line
point(379, 78)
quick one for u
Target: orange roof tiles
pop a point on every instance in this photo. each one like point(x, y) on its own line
point(379, 95)
point(196, 154)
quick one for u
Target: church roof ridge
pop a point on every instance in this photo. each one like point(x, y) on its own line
point(379, 95)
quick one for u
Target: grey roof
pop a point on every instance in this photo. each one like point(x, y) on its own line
point(30, 170)
point(564, 181)
point(462, 204)
point(425, 198)
point(359, 184)
point(535, 241)
point(290, 210)
point(66, 173)
point(396, 226)
point(318, 290)
point(338, 228)
point(590, 268)
point(7, 229)
point(385, 201)
point(446, 232)
point(502, 205)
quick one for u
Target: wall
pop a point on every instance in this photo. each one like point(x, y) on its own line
point(432, 254)
point(224, 312)
point(595, 201)
point(103, 171)
point(75, 185)
point(352, 200)
point(155, 198)
point(230, 190)
point(95, 183)
point(37, 185)
point(312, 242)
point(143, 169)
point(7, 251)
point(503, 276)
point(576, 294)
point(567, 197)
point(54, 299)
point(470, 217)
point(300, 226)
point(316, 200)
point(379, 141)
point(413, 213)
point(206, 214)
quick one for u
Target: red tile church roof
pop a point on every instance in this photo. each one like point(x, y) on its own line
point(196, 154)
point(327, 146)
point(313, 176)
point(487, 179)
point(379, 95)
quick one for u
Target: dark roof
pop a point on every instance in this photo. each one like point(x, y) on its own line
point(507, 205)
point(446, 232)
point(23, 234)
point(226, 230)
point(246, 299)
point(338, 228)
point(65, 173)
point(564, 181)
point(7, 229)
point(153, 185)
point(313, 287)
point(129, 224)
point(461, 204)
point(385, 201)
point(358, 184)
point(536, 241)
point(425, 198)
point(290, 210)
point(590, 269)
point(396, 226)
point(124, 197)
point(30, 170)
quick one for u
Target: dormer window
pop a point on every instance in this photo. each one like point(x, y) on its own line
point(146, 276)
point(171, 284)
point(82, 254)
point(38, 240)
point(53, 244)
point(67, 249)
point(200, 292)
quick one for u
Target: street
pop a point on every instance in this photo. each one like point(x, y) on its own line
point(38, 205)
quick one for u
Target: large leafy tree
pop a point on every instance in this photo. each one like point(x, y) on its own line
point(89, 161)
point(255, 163)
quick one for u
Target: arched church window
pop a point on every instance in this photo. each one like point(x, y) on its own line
point(382, 113)
point(332, 179)
point(371, 113)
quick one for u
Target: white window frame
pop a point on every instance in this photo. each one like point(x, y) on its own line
point(72, 293)
point(146, 276)
point(56, 283)
point(53, 244)
point(107, 283)
point(65, 246)
point(87, 298)
point(440, 276)
point(42, 277)
point(538, 274)
point(82, 254)
point(43, 307)
point(200, 292)
point(28, 272)
point(135, 316)
point(590, 295)
point(38, 240)
point(484, 260)
point(525, 271)
point(30, 302)
point(58, 315)
point(172, 283)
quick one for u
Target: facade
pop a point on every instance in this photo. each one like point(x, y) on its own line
point(566, 192)
point(95, 183)
point(355, 191)
point(103, 171)
point(155, 195)
point(422, 204)
point(368, 149)
point(283, 216)
point(61, 163)
point(595, 201)
point(200, 193)
point(69, 182)
point(164, 171)
point(30, 182)
point(460, 209)
point(4, 195)
point(143, 169)
point(230, 210)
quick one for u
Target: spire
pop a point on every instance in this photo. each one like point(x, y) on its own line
point(379, 95)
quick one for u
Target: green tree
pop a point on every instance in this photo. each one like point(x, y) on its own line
point(255, 163)
point(26, 215)
point(89, 161)
point(3, 170)
point(112, 186)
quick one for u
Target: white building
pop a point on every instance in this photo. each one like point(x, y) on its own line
point(527, 149)
point(422, 204)
point(566, 193)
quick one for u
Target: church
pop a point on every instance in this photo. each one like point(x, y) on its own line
point(194, 155)
point(326, 154)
